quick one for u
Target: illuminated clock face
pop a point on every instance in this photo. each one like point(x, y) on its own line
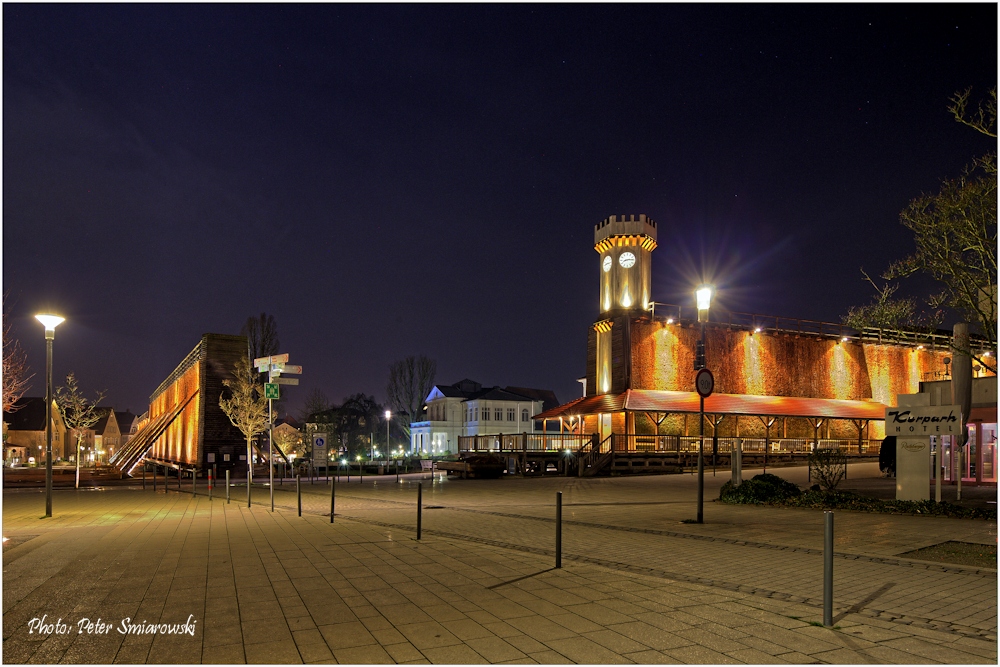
point(607, 263)
point(626, 259)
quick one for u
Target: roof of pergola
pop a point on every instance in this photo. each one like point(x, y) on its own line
point(651, 400)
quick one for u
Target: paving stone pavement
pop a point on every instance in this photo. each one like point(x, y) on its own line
point(637, 584)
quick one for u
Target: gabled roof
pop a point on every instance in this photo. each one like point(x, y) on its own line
point(102, 423)
point(546, 396)
point(28, 414)
point(125, 420)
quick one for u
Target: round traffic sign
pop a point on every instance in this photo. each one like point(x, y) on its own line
point(704, 382)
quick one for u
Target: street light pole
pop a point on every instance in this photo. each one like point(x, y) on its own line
point(703, 297)
point(50, 322)
point(388, 416)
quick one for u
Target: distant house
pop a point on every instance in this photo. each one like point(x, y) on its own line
point(24, 432)
point(128, 424)
point(467, 408)
point(106, 435)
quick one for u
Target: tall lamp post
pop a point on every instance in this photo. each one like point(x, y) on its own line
point(50, 322)
point(388, 416)
point(704, 383)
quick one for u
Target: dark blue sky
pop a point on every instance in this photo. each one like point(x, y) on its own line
point(392, 180)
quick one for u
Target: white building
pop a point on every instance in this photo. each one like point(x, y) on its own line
point(466, 408)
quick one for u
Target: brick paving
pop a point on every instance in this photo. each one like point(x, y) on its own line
point(637, 584)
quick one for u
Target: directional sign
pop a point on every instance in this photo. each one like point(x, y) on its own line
point(285, 380)
point(278, 366)
point(289, 368)
point(271, 391)
point(273, 359)
point(319, 440)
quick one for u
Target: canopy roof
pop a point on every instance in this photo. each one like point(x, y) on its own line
point(651, 400)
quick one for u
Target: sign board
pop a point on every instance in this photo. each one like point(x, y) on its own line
point(704, 383)
point(913, 468)
point(933, 420)
point(290, 368)
point(278, 366)
point(319, 440)
point(285, 380)
point(271, 391)
point(273, 359)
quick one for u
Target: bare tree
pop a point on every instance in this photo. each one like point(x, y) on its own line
point(955, 234)
point(246, 408)
point(79, 414)
point(16, 379)
point(290, 442)
point(410, 380)
point(316, 401)
point(262, 335)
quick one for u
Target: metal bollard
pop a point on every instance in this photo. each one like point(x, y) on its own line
point(227, 487)
point(420, 504)
point(333, 498)
point(558, 528)
point(298, 491)
point(178, 479)
point(210, 484)
point(194, 482)
point(828, 569)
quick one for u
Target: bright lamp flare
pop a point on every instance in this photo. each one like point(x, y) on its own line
point(388, 414)
point(50, 321)
point(703, 295)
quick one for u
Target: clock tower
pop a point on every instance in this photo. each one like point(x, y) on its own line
point(624, 245)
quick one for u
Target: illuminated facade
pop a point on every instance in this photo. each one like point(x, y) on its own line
point(774, 377)
point(185, 427)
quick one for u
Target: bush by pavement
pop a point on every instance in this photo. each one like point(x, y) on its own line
point(760, 489)
point(767, 489)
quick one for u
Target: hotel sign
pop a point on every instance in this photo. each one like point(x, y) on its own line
point(933, 420)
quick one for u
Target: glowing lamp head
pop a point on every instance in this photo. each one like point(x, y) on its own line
point(703, 298)
point(844, 339)
point(50, 322)
point(670, 320)
point(388, 414)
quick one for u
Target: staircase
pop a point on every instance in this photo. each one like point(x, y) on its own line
point(594, 457)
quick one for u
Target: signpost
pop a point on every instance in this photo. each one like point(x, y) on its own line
point(274, 366)
point(913, 428)
point(319, 445)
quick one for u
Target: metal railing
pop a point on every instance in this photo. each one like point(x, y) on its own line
point(803, 327)
point(639, 443)
point(523, 442)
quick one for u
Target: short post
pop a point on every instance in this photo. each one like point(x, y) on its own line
point(298, 491)
point(828, 569)
point(178, 478)
point(333, 497)
point(420, 504)
point(227, 487)
point(210, 477)
point(194, 481)
point(558, 529)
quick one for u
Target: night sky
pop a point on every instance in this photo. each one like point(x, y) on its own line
point(395, 180)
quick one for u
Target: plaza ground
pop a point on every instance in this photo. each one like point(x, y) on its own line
point(637, 583)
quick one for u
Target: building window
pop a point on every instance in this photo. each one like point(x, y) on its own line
point(486, 414)
point(524, 415)
point(476, 419)
point(498, 413)
point(510, 414)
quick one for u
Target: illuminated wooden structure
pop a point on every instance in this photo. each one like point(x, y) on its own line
point(781, 385)
point(185, 427)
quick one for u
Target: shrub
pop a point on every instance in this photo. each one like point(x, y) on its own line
point(760, 489)
point(829, 467)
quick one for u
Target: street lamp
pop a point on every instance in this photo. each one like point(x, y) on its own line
point(704, 384)
point(50, 322)
point(388, 416)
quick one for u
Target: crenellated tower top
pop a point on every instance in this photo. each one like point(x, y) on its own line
point(624, 244)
